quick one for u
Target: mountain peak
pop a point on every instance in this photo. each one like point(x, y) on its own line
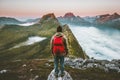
point(48, 16)
point(108, 17)
point(105, 15)
point(69, 14)
point(115, 15)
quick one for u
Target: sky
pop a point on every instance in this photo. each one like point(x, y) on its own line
point(37, 8)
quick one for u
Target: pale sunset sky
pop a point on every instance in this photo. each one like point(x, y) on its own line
point(37, 8)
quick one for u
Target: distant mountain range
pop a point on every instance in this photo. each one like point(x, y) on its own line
point(70, 18)
point(105, 20)
point(108, 20)
point(8, 20)
point(13, 21)
point(33, 20)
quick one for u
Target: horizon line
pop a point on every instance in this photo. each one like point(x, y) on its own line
point(14, 16)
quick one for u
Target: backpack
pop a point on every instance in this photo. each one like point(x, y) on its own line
point(58, 45)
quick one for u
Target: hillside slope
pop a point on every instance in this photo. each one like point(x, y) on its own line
point(12, 35)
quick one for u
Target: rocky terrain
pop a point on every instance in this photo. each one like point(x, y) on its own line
point(107, 66)
point(79, 69)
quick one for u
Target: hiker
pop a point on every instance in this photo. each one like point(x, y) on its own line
point(59, 50)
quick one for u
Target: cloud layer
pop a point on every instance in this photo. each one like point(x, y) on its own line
point(98, 43)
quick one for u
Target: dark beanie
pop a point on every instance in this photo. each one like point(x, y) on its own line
point(59, 29)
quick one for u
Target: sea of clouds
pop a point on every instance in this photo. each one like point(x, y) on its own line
point(100, 43)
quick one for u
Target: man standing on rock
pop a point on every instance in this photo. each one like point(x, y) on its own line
point(59, 50)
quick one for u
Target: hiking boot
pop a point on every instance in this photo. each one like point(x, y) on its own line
point(56, 75)
point(62, 74)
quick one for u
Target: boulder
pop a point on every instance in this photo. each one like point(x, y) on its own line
point(65, 77)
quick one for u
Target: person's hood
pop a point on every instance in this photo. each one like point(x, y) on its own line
point(59, 34)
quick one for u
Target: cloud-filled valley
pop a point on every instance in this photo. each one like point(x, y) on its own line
point(100, 43)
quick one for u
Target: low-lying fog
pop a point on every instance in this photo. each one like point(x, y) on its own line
point(100, 43)
point(31, 40)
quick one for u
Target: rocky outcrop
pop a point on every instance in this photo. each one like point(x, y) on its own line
point(107, 66)
point(48, 17)
point(65, 77)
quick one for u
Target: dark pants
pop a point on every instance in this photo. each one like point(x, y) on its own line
point(58, 59)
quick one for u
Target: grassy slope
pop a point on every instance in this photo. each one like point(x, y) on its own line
point(12, 35)
point(75, 49)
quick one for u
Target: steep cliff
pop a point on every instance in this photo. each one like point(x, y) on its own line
point(75, 50)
